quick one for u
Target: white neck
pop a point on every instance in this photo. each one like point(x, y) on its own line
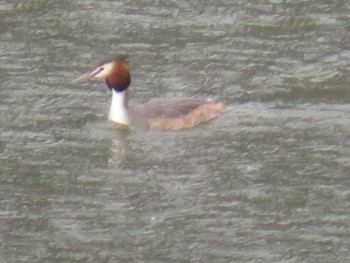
point(118, 112)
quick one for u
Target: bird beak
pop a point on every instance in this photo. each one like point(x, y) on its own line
point(89, 75)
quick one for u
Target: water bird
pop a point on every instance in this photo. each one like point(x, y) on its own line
point(171, 114)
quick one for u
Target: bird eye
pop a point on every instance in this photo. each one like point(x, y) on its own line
point(100, 70)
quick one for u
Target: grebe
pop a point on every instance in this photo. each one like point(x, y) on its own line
point(157, 115)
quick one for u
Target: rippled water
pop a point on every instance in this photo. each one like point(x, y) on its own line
point(267, 182)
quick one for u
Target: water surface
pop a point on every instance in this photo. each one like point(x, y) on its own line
point(266, 182)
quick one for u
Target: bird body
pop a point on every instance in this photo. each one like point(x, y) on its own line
point(173, 114)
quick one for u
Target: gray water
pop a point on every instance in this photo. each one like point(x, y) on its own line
point(266, 182)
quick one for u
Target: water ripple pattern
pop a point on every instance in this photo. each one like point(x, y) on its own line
point(266, 182)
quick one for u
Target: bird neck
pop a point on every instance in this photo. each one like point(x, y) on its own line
point(118, 112)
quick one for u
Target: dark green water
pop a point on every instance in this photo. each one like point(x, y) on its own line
point(267, 182)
